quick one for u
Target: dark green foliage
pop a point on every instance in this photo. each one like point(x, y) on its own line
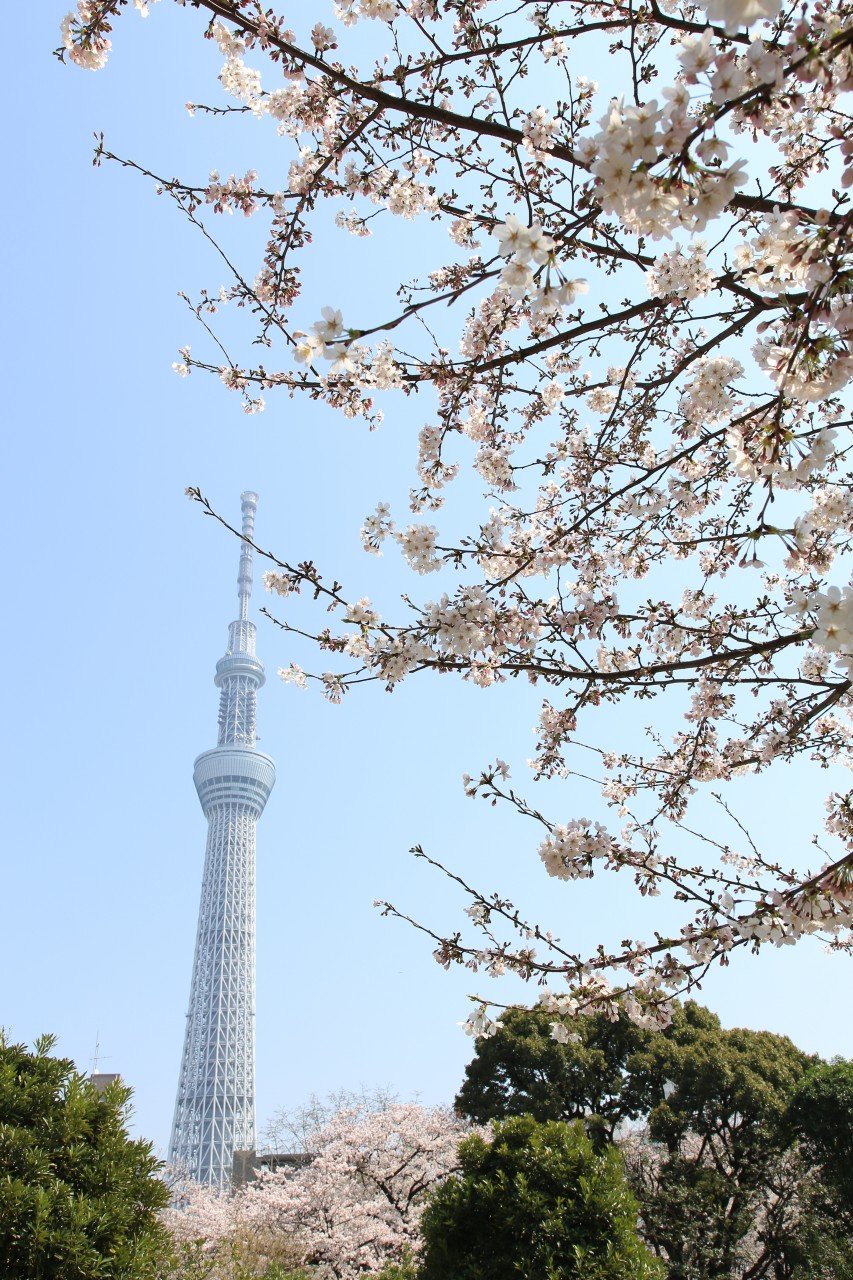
point(722, 1161)
point(78, 1199)
point(821, 1114)
point(538, 1202)
point(521, 1070)
point(822, 1246)
point(718, 1084)
point(820, 1118)
point(738, 1146)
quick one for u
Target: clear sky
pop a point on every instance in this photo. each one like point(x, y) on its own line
point(118, 595)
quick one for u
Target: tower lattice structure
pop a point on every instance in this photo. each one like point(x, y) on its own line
point(215, 1107)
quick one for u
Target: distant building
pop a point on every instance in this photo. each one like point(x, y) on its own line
point(248, 1164)
point(215, 1107)
point(100, 1079)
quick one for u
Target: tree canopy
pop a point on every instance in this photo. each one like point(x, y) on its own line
point(535, 1200)
point(821, 1113)
point(79, 1199)
point(522, 1070)
point(736, 1142)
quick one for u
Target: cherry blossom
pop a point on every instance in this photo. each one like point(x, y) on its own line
point(636, 344)
point(358, 1203)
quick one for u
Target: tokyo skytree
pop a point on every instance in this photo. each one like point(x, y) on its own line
point(215, 1108)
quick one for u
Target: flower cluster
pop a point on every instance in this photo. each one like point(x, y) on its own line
point(357, 1204)
point(538, 130)
point(86, 47)
point(524, 246)
point(631, 140)
point(351, 1207)
point(418, 546)
point(707, 397)
point(833, 617)
point(681, 274)
point(326, 339)
point(234, 193)
point(569, 850)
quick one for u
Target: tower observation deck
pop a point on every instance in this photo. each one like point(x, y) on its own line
point(215, 1107)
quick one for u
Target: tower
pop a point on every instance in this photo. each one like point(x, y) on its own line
point(215, 1107)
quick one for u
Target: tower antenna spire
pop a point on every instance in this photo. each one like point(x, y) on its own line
point(249, 505)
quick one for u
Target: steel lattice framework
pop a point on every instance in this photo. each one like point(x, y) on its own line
point(215, 1108)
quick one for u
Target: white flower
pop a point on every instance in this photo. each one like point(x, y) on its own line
point(479, 1024)
point(734, 14)
point(682, 273)
point(517, 276)
point(330, 328)
point(293, 675)
point(362, 613)
point(571, 288)
point(418, 546)
point(406, 198)
point(381, 10)
point(697, 53)
point(341, 358)
point(512, 236)
point(323, 37)
point(307, 348)
point(90, 57)
point(538, 128)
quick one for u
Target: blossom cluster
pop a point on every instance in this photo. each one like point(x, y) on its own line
point(352, 1206)
point(631, 139)
point(681, 274)
point(569, 849)
point(358, 1203)
point(526, 245)
point(832, 611)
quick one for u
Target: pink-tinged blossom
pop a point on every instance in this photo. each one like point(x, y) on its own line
point(357, 1204)
point(627, 454)
point(87, 51)
point(538, 130)
point(681, 273)
point(322, 37)
point(418, 546)
point(734, 14)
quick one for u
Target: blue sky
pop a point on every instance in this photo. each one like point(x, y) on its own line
point(119, 593)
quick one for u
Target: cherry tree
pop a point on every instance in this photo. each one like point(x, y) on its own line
point(639, 340)
point(198, 1212)
point(353, 1208)
point(214, 1237)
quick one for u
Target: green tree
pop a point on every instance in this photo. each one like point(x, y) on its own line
point(79, 1199)
point(821, 1115)
point(537, 1201)
point(719, 1184)
point(522, 1070)
point(820, 1118)
point(729, 1181)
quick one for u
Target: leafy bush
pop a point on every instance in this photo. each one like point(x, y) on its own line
point(536, 1201)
